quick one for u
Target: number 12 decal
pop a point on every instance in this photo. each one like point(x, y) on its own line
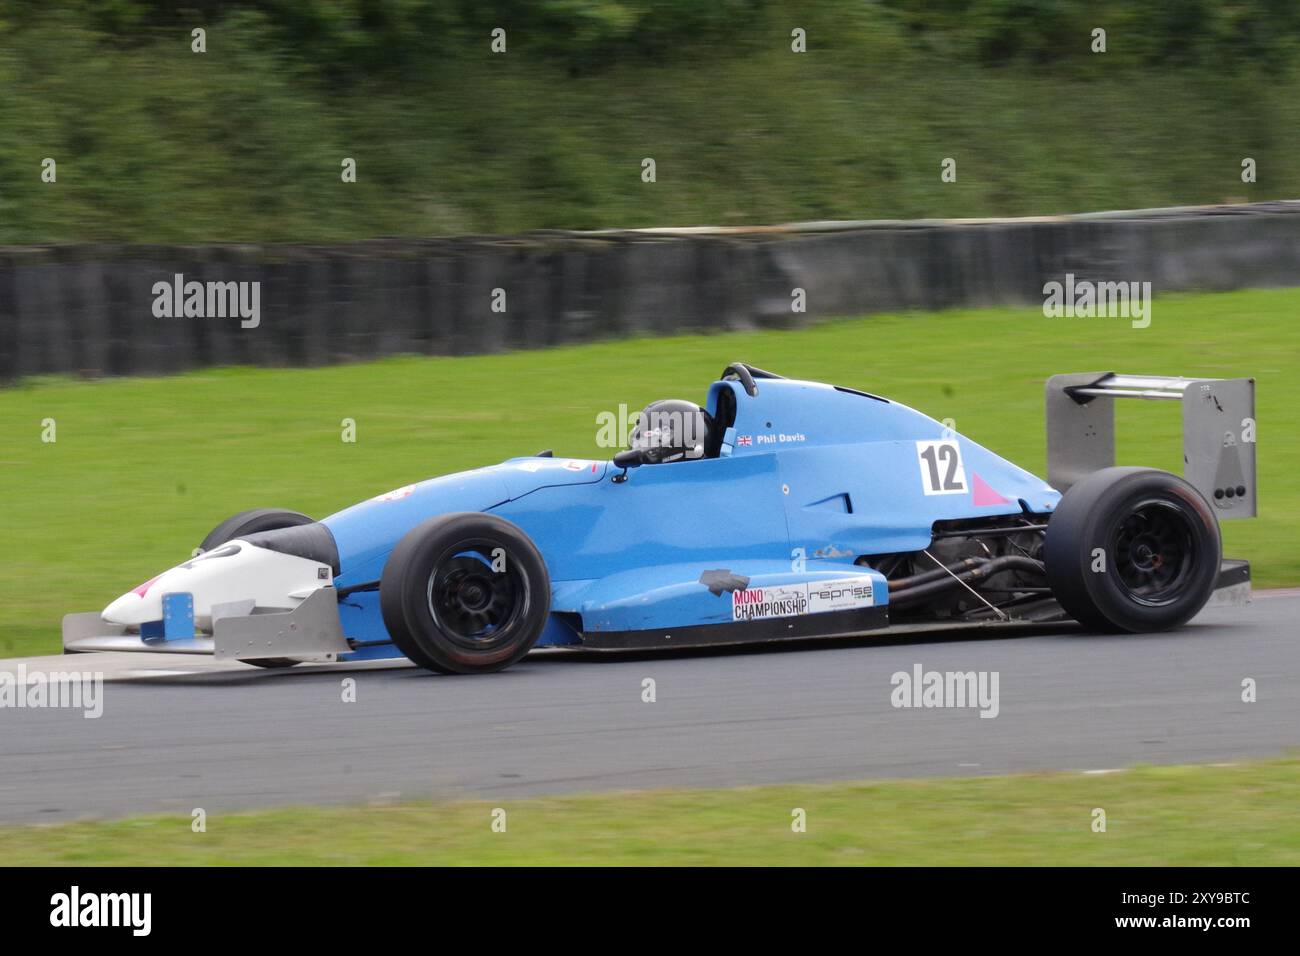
point(941, 468)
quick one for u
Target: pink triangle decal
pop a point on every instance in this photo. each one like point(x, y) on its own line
point(982, 495)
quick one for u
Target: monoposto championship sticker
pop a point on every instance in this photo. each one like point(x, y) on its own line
point(753, 604)
point(790, 600)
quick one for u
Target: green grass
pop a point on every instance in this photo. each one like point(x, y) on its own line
point(142, 469)
point(1171, 816)
point(156, 144)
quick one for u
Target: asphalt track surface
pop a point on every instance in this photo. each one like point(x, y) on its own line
point(179, 733)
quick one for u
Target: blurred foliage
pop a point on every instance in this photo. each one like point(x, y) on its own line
point(157, 144)
point(1210, 34)
point(345, 36)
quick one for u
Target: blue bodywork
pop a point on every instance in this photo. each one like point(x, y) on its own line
point(809, 477)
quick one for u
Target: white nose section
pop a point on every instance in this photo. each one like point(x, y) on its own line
point(235, 571)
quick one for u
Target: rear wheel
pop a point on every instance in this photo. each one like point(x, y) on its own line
point(251, 522)
point(465, 593)
point(1132, 549)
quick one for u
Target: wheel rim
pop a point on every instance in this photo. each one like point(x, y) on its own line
point(474, 605)
point(1155, 552)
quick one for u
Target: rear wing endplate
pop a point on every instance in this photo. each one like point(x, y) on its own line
point(1218, 431)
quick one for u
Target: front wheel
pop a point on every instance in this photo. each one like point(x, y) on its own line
point(252, 522)
point(465, 593)
point(1132, 549)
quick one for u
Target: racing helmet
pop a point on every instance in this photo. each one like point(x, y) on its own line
point(671, 430)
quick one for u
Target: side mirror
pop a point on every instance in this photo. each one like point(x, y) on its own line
point(631, 458)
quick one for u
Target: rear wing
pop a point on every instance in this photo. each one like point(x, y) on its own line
point(1218, 431)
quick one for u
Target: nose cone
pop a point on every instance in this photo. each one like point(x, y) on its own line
point(235, 572)
point(138, 605)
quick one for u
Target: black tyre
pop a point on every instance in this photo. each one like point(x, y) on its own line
point(1132, 549)
point(465, 593)
point(273, 663)
point(250, 522)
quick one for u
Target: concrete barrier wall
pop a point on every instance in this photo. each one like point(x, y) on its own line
point(89, 310)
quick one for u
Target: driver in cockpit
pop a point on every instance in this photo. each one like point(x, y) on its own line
point(671, 430)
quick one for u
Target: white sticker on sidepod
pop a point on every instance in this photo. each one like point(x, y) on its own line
point(753, 604)
point(790, 600)
point(843, 594)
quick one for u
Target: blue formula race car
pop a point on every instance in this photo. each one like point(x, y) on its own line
point(779, 509)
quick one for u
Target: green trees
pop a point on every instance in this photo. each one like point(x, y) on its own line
point(154, 142)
